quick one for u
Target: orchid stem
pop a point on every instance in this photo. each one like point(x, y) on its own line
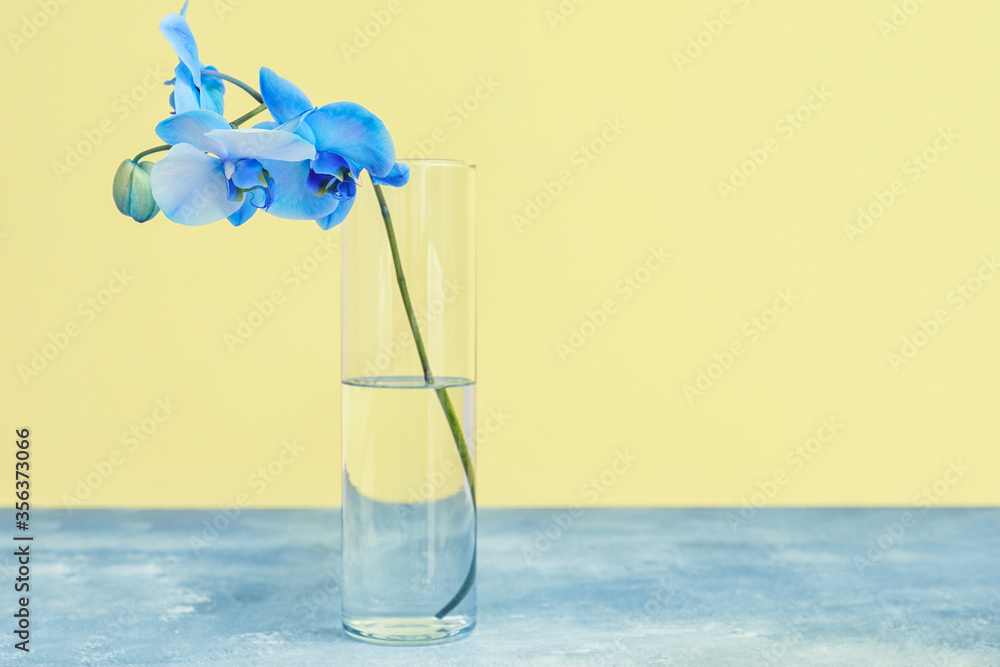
point(236, 123)
point(248, 115)
point(442, 394)
point(250, 90)
point(150, 151)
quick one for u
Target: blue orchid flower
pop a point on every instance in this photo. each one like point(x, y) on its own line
point(191, 90)
point(347, 139)
point(193, 187)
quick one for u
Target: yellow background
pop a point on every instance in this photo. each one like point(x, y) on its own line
point(557, 84)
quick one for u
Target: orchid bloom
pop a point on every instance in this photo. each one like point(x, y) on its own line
point(214, 172)
point(191, 89)
point(347, 139)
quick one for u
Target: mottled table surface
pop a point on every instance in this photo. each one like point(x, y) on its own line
point(602, 587)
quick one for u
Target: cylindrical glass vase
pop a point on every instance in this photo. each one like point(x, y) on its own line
point(409, 408)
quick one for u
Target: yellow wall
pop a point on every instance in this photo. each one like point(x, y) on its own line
point(601, 74)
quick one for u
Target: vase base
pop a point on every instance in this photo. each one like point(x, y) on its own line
point(408, 631)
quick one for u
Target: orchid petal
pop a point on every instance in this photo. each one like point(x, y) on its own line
point(248, 174)
point(292, 199)
point(304, 131)
point(345, 190)
point(232, 192)
point(330, 163)
point(399, 176)
point(337, 216)
point(191, 187)
point(356, 169)
point(178, 34)
point(244, 213)
point(283, 99)
point(257, 196)
point(185, 96)
point(299, 126)
point(213, 91)
point(268, 190)
point(262, 144)
point(350, 130)
point(191, 127)
point(317, 183)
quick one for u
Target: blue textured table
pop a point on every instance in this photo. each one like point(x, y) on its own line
point(606, 587)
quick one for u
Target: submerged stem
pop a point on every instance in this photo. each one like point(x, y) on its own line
point(442, 394)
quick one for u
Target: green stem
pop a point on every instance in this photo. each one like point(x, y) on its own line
point(442, 394)
point(248, 115)
point(236, 123)
point(403, 289)
point(250, 90)
point(149, 151)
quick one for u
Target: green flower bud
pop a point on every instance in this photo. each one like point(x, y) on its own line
point(133, 191)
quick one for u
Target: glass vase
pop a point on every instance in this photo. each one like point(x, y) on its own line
point(409, 408)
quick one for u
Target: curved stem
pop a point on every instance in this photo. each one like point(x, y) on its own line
point(236, 123)
point(470, 579)
point(250, 90)
point(459, 436)
point(442, 394)
point(248, 115)
point(149, 151)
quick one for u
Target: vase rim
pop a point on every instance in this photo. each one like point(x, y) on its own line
point(441, 162)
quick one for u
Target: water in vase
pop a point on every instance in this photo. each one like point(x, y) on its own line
point(408, 518)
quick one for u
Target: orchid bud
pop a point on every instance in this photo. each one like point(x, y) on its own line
point(133, 192)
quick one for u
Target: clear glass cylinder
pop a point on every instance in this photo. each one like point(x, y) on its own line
point(409, 409)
